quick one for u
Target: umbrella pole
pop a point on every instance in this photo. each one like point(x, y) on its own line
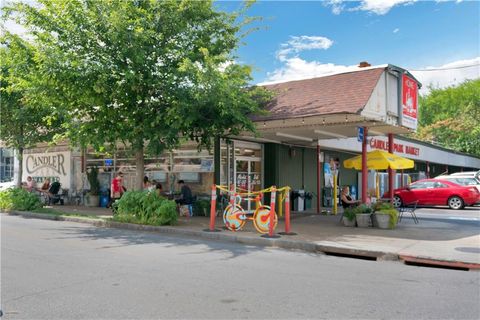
point(364, 165)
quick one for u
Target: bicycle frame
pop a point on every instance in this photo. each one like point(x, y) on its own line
point(235, 217)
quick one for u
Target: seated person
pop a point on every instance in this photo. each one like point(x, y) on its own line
point(368, 200)
point(45, 187)
point(53, 193)
point(347, 200)
point(146, 183)
point(30, 184)
point(185, 194)
point(158, 189)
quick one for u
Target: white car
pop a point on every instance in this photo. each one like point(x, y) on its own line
point(467, 174)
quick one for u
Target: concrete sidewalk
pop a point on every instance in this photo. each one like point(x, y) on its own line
point(439, 242)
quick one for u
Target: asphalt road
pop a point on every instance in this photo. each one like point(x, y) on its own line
point(467, 216)
point(63, 270)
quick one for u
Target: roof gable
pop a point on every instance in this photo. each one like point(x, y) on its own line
point(340, 93)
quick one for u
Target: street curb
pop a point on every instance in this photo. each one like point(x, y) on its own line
point(264, 242)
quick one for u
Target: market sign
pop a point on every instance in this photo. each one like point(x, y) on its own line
point(376, 143)
point(52, 165)
point(409, 112)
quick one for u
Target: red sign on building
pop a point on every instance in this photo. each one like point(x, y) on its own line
point(409, 102)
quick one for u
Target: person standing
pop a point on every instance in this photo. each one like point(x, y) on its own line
point(116, 188)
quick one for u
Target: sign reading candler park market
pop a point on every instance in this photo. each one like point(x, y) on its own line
point(52, 165)
point(409, 102)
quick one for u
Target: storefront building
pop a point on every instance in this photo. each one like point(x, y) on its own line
point(310, 123)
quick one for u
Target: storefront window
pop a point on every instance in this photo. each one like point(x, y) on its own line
point(185, 163)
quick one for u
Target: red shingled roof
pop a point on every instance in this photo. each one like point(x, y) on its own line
point(339, 93)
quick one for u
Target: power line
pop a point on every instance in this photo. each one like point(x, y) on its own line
point(452, 68)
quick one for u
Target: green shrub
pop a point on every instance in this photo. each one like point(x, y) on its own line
point(382, 206)
point(19, 199)
point(201, 207)
point(363, 208)
point(145, 208)
point(393, 216)
point(349, 213)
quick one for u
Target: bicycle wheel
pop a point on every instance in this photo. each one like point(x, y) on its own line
point(234, 217)
point(261, 219)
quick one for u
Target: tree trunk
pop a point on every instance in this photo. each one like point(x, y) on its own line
point(20, 167)
point(140, 161)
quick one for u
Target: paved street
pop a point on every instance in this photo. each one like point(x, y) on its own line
point(64, 270)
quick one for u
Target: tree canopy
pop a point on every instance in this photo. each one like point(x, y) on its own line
point(147, 73)
point(23, 123)
point(451, 117)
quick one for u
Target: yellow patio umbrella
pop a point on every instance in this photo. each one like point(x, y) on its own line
point(379, 160)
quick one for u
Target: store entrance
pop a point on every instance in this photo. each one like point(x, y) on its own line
point(248, 178)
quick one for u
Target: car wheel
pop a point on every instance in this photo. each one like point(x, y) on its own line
point(397, 201)
point(455, 203)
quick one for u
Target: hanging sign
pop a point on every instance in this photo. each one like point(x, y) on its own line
point(360, 134)
point(409, 102)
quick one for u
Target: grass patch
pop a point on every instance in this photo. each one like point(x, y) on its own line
point(63, 213)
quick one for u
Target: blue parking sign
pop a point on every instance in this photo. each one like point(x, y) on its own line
point(360, 134)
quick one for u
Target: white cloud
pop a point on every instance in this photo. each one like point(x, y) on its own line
point(449, 74)
point(379, 7)
point(298, 69)
point(297, 44)
point(337, 6)
point(396, 30)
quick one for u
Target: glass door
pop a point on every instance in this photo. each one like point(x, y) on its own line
point(248, 179)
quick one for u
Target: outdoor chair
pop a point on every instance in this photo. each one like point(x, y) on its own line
point(187, 209)
point(408, 208)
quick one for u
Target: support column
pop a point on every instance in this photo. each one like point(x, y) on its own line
point(427, 170)
point(319, 176)
point(364, 165)
point(216, 161)
point(390, 171)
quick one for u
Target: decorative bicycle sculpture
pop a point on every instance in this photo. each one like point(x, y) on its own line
point(235, 217)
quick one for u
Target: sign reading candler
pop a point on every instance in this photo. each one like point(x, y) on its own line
point(52, 165)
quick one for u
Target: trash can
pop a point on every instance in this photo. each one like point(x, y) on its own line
point(104, 199)
point(308, 200)
point(298, 200)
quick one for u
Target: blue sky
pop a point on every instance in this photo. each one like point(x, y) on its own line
point(305, 39)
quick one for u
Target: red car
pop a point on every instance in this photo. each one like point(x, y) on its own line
point(436, 192)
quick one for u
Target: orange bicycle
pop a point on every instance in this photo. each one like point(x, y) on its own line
point(235, 217)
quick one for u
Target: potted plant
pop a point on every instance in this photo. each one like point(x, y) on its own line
point(385, 215)
point(363, 215)
point(349, 217)
point(201, 207)
point(92, 198)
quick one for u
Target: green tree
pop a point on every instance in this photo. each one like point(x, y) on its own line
point(451, 117)
point(146, 73)
point(23, 122)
